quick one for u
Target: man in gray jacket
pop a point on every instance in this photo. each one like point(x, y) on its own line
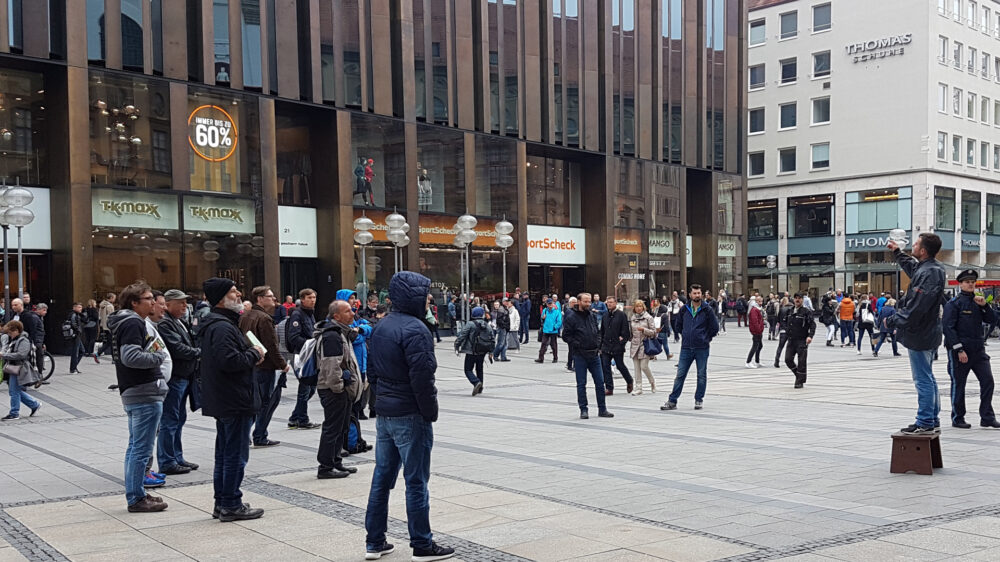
point(338, 383)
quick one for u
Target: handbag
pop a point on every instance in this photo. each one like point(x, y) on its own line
point(652, 347)
point(867, 317)
point(11, 369)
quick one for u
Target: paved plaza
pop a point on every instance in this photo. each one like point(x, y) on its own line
point(764, 472)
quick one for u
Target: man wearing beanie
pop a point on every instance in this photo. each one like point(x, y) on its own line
point(228, 395)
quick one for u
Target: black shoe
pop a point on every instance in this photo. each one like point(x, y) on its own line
point(555, 360)
point(584, 415)
point(344, 453)
point(215, 511)
point(605, 414)
point(505, 360)
point(539, 361)
point(190, 465)
point(697, 405)
point(829, 344)
point(669, 406)
point(334, 473)
point(243, 513)
point(435, 552)
point(874, 354)
point(347, 469)
point(992, 423)
point(175, 469)
point(10, 417)
point(372, 415)
point(33, 410)
point(570, 369)
point(961, 424)
point(915, 429)
point(477, 389)
point(776, 366)
point(897, 354)
point(267, 443)
point(362, 416)
point(798, 385)
point(376, 552)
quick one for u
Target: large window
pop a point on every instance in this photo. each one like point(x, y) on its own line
point(879, 209)
point(810, 216)
point(821, 110)
point(227, 158)
point(944, 208)
point(788, 116)
point(250, 26)
point(762, 220)
point(822, 19)
point(441, 169)
point(789, 25)
point(132, 26)
point(379, 158)
point(758, 32)
point(970, 211)
point(789, 70)
point(496, 177)
point(23, 128)
point(757, 79)
point(220, 26)
point(756, 124)
point(553, 191)
point(95, 30)
point(992, 214)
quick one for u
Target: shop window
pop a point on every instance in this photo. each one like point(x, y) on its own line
point(496, 178)
point(440, 170)
point(296, 178)
point(993, 214)
point(378, 152)
point(225, 143)
point(553, 191)
point(879, 209)
point(810, 216)
point(762, 220)
point(970, 211)
point(944, 208)
point(23, 127)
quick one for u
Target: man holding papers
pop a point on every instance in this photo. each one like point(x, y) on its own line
point(258, 325)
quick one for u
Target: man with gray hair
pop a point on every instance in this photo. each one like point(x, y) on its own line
point(338, 383)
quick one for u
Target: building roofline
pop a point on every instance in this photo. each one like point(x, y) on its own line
point(753, 5)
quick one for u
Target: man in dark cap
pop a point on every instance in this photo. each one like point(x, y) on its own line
point(184, 355)
point(962, 323)
point(228, 395)
point(800, 329)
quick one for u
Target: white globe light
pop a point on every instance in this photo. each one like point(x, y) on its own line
point(467, 222)
point(363, 223)
point(505, 240)
point(405, 228)
point(19, 216)
point(458, 242)
point(210, 245)
point(395, 220)
point(467, 236)
point(395, 235)
point(18, 197)
point(404, 242)
point(363, 237)
point(504, 227)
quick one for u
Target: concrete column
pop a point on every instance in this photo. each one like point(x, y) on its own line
point(781, 281)
point(269, 191)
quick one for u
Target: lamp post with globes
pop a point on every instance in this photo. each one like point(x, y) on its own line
point(397, 234)
point(6, 263)
point(362, 226)
point(504, 241)
point(464, 236)
point(17, 199)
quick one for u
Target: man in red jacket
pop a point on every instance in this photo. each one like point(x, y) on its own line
point(756, 323)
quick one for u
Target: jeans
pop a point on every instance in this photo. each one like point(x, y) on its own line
point(17, 396)
point(501, 348)
point(664, 338)
point(270, 395)
point(168, 444)
point(862, 328)
point(928, 400)
point(405, 441)
point(232, 450)
point(609, 380)
point(978, 363)
point(474, 361)
point(755, 348)
point(772, 327)
point(688, 355)
point(882, 336)
point(336, 416)
point(524, 328)
point(582, 364)
point(142, 422)
point(831, 331)
point(800, 348)
point(301, 412)
point(846, 331)
point(782, 340)
point(722, 321)
point(76, 354)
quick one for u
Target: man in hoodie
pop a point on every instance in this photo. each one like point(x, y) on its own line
point(258, 321)
point(299, 328)
point(584, 340)
point(142, 389)
point(338, 383)
point(403, 370)
point(698, 325)
point(228, 395)
point(552, 320)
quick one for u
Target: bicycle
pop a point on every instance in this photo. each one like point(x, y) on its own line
point(48, 366)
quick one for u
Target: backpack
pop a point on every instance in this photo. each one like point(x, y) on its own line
point(280, 329)
point(68, 332)
point(306, 366)
point(484, 340)
point(355, 443)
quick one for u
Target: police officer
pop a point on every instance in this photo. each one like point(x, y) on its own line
point(962, 324)
point(800, 331)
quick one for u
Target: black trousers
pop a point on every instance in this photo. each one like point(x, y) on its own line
point(800, 348)
point(609, 382)
point(755, 348)
point(336, 416)
point(772, 327)
point(979, 363)
point(782, 338)
point(547, 340)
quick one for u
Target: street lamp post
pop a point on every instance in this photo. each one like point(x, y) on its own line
point(6, 263)
point(17, 199)
point(464, 236)
point(362, 226)
point(772, 263)
point(397, 235)
point(504, 241)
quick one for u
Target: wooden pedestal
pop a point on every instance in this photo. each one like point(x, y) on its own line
point(919, 453)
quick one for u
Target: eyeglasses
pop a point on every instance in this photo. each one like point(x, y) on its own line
point(270, 297)
point(149, 298)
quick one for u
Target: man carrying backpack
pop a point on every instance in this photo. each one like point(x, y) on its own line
point(475, 341)
point(299, 328)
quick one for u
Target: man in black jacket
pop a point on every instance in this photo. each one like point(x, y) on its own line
point(299, 328)
point(581, 334)
point(229, 395)
point(800, 329)
point(76, 321)
point(615, 333)
point(184, 354)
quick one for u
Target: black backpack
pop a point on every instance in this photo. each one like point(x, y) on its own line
point(68, 332)
point(484, 340)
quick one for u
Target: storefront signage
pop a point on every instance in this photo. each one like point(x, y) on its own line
point(133, 209)
point(297, 232)
point(628, 241)
point(879, 48)
point(38, 234)
point(632, 276)
point(865, 242)
point(212, 133)
point(556, 244)
point(728, 246)
point(661, 243)
point(435, 229)
point(219, 214)
point(966, 243)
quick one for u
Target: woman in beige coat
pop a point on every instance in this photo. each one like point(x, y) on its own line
point(642, 327)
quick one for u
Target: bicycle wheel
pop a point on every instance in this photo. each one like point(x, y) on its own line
point(48, 366)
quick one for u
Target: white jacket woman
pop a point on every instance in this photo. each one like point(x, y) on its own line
point(641, 327)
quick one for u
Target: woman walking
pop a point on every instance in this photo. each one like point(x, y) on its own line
point(472, 341)
point(782, 336)
point(828, 316)
point(91, 319)
point(866, 322)
point(884, 331)
point(756, 323)
point(17, 355)
point(641, 327)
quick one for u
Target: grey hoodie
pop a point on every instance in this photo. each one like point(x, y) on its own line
point(137, 361)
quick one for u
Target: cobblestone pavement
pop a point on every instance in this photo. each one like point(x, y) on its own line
point(764, 472)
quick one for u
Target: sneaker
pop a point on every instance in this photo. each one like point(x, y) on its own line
point(309, 425)
point(605, 414)
point(697, 405)
point(150, 482)
point(915, 429)
point(147, 505)
point(669, 406)
point(961, 424)
point(33, 410)
point(265, 444)
point(750, 366)
point(435, 552)
point(347, 469)
point(175, 469)
point(584, 415)
point(155, 474)
point(293, 425)
point(378, 551)
point(478, 388)
point(757, 365)
point(216, 511)
point(637, 392)
point(243, 513)
point(190, 465)
point(859, 352)
point(10, 417)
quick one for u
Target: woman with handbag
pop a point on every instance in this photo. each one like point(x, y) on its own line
point(18, 371)
point(643, 331)
point(866, 322)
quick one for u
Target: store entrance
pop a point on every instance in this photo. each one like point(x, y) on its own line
point(297, 274)
point(548, 279)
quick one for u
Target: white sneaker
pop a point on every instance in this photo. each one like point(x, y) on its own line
point(859, 352)
point(750, 366)
point(757, 365)
point(637, 392)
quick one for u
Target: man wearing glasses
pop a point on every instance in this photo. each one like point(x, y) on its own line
point(259, 321)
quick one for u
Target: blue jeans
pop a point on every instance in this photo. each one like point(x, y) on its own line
point(408, 441)
point(142, 422)
point(301, 412)
point(847, 331)
point(501, 348)
point(882, 336)
point(168, 445)
point(688, 356)
point(76, 354)
point(664, 337)
point(928, 400)
point(232, 450)
point(524, 329)
point(582, 364)
point(270, 396)
point(18, 395)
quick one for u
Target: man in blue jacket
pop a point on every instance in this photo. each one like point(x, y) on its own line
point(552, 320)
point(698, 325)
point(403, 367)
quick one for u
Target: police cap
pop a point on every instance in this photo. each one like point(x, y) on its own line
point(967, 274)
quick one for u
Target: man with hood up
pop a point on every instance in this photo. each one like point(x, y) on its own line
point(403, 371)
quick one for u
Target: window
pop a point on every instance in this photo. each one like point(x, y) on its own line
point(956, 97)
point(942, 48)
point(992, 214)
point(970, 17)
point(161, 151)
point(970, 109)
point(942, 98)
point(986, 23)
point(944, 208)
point(756, 164)
point(821, 18)
point(985, 66)
point(984, 112)
point(956, 10)
point(956, 149)
point(821, 64)
point(762, 220)
point(436, 49)
point(973, 58)
point(756, 120)
point(970, 152)
point(996, 113)
point(757, 76)
point(789, 25)
point(996, 157)
point(758, 32)
point(879, 209)
point(789, 71)
point(984, 155)
point(996, 66)
point(810, 216)
point(821, 111)
point(821, 156)
point(786, 160)
point(956, 54)
point(970, 211)
point(942, 7)
point(788, 116)
point(942, 146)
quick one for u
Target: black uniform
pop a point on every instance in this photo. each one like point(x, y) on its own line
point(963, 331)
point(799, 327)
point(615, 333)
point(782, 335)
